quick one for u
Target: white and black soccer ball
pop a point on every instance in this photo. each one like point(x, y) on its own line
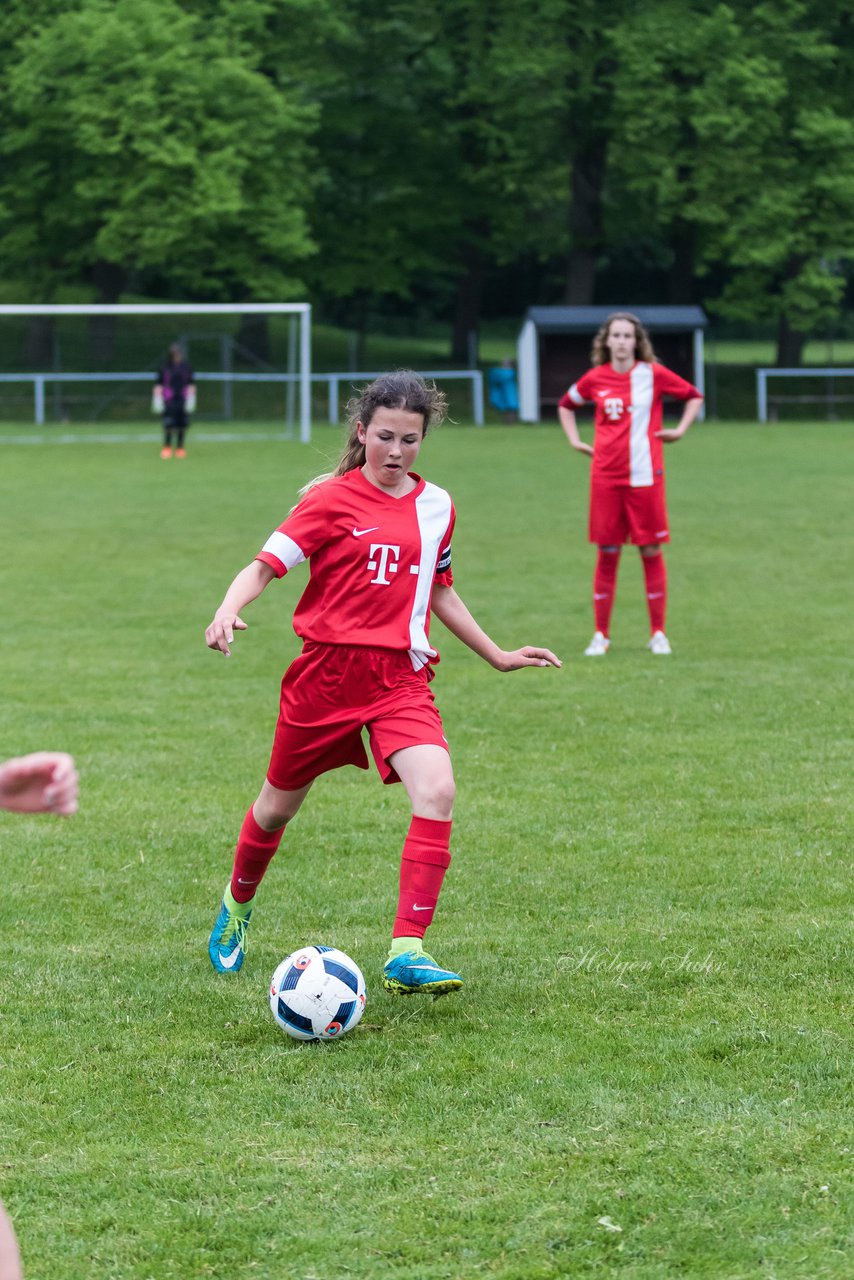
point(317, 993)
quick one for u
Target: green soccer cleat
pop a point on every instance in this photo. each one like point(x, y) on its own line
point(415, 972)
point(227, 944)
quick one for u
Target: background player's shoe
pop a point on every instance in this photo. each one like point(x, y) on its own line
point(180, 453)
point(598, 646)
point(227, 944)
point(166, 452)
point(415, 971)
point(659, 643)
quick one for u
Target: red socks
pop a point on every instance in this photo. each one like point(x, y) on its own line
point(655, 573)
point(604, 586)
point(255, 849)
point(426, 858)
point(605, 583)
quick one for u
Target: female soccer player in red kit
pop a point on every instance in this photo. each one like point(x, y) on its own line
point(626, 386)
point(378, 541)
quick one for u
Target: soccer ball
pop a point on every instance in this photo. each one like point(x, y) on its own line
point(317, 993)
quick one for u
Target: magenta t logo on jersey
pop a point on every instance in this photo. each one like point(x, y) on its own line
point(614, 408)
point(384, 560)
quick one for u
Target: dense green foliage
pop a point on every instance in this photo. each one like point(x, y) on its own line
point(456, 159)
point(740, 144)
point(647, 1074)
point(137, 140)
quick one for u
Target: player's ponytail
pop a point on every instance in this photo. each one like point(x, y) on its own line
point(402, 389)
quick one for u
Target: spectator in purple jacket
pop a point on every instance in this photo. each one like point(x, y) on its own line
point(175, 397)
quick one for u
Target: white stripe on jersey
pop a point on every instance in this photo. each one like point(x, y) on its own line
point(284, 548)
point(640, 453)
point(433, 511)
point(575, 395)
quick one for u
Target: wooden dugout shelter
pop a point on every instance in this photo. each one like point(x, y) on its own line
point(553, 349)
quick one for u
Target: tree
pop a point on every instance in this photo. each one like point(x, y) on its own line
point(378, 211)
point(591, 64)
point(734, 138)
point(294, 44)
point(436, 153)
point(504, 101)
point(136, 139)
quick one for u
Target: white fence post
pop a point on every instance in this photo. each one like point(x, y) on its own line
point(762, 394)
point(305, 376)
point(477, 397)
point(228, 378)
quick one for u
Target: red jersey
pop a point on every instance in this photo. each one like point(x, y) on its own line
point(628, 414)
point(373, 561)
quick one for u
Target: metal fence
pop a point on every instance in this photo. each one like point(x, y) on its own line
point(766, 404)
point(334, 382)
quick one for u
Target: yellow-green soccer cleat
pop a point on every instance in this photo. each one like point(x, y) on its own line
point(415, 972)
point(227, 945)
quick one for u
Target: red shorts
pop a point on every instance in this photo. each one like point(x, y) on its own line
point(330, 693)
point(620, 513)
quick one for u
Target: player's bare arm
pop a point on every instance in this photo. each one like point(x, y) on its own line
point(454, 614)
point(689, 413)
point(245, 588)
point(43, 782)
point(570, 427)
point(10, 1258)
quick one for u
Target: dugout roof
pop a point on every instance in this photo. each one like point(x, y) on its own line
point(588, 319)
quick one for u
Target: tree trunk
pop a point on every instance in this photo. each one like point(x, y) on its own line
point(790, 344)
point(360, 315)
point(253, 338)
point(464, 339)
point(790, 341)
point(585, 224)
point(680, 276)
point(109, 279)
point(39, 343)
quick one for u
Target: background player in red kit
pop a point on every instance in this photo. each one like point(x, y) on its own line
point(378, 541)
point(627, 504)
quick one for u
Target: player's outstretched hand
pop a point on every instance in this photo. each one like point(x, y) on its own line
point(44, 782)
point(529, 656)
point(670, 434)
point(583, 447)
point(220, 633)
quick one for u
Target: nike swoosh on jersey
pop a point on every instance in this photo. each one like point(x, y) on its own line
point(357, 533)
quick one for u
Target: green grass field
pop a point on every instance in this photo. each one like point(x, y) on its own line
point(648, 1071)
